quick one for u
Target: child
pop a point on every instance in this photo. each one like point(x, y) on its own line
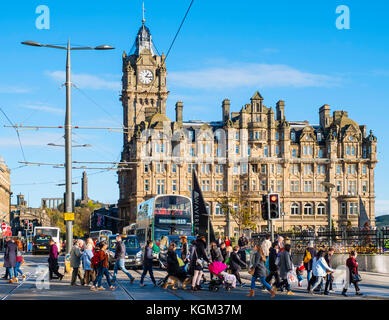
point(299, 273)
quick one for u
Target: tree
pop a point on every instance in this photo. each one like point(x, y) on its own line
point(239, 207)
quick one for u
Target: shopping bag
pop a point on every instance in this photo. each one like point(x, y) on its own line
point(291, 277)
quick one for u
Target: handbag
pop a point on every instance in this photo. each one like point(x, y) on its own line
point(251, 271)
point(355, 277)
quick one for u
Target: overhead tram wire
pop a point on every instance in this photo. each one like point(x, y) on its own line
point(17, 132)
point(164, 60)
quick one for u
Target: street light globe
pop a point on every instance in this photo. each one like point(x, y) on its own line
point(104, 47)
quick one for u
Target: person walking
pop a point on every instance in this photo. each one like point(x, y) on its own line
point(352, 275)
point(102, 267)
point(184, 248)
point(319, 270)
point(53, 261)
point(19, 260)
point(285, 265)
point(266, 245)
point(86, 259)
point(173, 268)
point(273, 267)
point(219, 240)
point(216, 254)
point(310, 252)
point(148, 263)
point(6, 275)
point(258, 270)
point(329, 276)
point(281, 244)
point(75, 260)
point(10, 259)
point(223, 251)
point(120, 255)
point(197, 262)
point(236, 263)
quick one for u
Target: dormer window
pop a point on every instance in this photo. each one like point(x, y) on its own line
point(293, 136)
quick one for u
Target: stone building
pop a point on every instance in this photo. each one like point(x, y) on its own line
point(251, 151)
point(5, 191)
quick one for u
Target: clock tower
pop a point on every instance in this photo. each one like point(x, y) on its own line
point(144, 90)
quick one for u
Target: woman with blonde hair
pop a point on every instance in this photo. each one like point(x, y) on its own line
point(258, 270)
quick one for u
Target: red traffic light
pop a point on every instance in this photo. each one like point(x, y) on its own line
point(273, 198)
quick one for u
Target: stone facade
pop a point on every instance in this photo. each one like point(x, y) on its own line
point(5, 191)
point(251, 151)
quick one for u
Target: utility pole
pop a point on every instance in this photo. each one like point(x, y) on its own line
point(69, 214)
point(68, 155)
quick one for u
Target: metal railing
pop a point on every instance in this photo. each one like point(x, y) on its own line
point(343, 241)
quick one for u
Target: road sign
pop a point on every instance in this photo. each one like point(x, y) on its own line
point(69, 216)
point(4, 226)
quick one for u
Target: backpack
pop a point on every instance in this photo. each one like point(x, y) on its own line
point(95, 261)
point(308, 256)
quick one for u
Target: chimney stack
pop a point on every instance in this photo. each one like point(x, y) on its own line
point(179, 111)
point(226, 110)
point(280, 110)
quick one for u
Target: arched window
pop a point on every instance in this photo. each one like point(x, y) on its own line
point(207, 206)
point(308, 209)
point(321, 209)
point(295, 209)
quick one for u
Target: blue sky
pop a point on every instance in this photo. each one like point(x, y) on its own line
point(226, 49)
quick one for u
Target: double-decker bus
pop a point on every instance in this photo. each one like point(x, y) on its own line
point(163, 216)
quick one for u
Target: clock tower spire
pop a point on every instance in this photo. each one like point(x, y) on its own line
point(144, 90)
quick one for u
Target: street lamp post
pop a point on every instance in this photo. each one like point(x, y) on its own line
point(329, 187)
point(68, 131)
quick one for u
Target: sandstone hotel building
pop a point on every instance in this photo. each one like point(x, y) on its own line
point(253, 150)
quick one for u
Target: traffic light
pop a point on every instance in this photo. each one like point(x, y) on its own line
point(265, 208)
point(274, 206)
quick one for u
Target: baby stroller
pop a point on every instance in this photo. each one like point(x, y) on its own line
point(222, 277)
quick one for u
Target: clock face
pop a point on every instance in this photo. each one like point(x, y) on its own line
point(146, 76)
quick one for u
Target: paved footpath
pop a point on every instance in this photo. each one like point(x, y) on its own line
point(373, 285)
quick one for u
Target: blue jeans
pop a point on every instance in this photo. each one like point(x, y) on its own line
point(300, 277)
point(119, 264)
point(101, 272)
point(11, 272)
point(263, 281)
point(17, 269)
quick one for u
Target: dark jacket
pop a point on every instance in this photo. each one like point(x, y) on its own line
point(216, 254)
point(10, 255)
point(236, 262)
point(148, 256)
point(259, 265)
point(120, 251)
point(172, 263)
point(224, 253)
point(272, 259)
point(243, 242)
point(184, 251)
point(312, 251)
point(198, 253)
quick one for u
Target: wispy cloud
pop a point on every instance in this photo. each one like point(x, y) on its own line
point(86, 81)
point(45, 109)
point(260, 75)
point(14, 89)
